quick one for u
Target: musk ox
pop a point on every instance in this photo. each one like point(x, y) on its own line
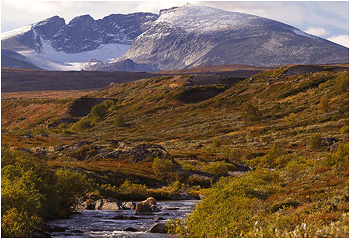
point(146, 207)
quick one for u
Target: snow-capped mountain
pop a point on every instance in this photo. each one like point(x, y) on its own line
point(52, 44)
point(194, 35)
point(177, 38)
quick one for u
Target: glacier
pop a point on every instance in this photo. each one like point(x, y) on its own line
point(50, 59)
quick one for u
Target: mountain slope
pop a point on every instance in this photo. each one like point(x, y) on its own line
point(193, 35)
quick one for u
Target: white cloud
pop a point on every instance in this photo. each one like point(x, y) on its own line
point(317, 31)
point(341, 40)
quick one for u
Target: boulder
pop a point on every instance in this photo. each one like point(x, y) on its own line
point(130, 229)
point(334, 147)
point(328, 141)
point(90, 205)
point(128, 205)
point(182, 195)
point(159, 228)
point(108, 204)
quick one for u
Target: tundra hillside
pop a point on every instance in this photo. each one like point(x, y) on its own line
point(268, 154)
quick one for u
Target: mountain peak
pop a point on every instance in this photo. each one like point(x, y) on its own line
point(202, 19)
point(83, 19)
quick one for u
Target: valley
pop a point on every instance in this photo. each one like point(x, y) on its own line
point(263, 147)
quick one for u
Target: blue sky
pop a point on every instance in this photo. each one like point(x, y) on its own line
point(326, 19)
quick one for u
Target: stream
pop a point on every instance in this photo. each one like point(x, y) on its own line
point(112, 223)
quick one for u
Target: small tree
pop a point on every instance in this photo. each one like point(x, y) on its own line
point(164, 169)
point(290, 119)
point(120, 121)
point(323, 106)
point(216, 143)
point(315, 142)
point(250, 112)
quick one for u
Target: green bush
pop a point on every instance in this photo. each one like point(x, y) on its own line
point(31, 193)
point(98, 113)
point(133, 191)
point(250, 112)
point(344, 129)
point(120, 121)
point(164, 169)
point(83, 124)
point(323, 106)
point(290, 119)
point(315, 141)
point(230, 209)
point(339, 159)
point(219, 168)
point(19, 224)
point(216, 143)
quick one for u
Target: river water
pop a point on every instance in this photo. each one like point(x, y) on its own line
point(111, 223)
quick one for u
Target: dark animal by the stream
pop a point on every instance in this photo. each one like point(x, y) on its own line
point(146, 207)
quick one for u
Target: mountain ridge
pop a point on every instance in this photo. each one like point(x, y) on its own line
point(177, 38)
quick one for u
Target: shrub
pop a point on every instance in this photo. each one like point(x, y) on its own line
point(68, 187)
point(290, 119)
point(99, 112)
point(323, 106)
point(344, 129)
point(83, 124)
point(315, 141)
point(230, 209)
point(219, 168)
point(133, 191)
point(120, 121)
point(18, 224)
point(343, 85)
point(216, 143)
point(338, 159)
point(31, 193)
point(249, 112)
point(164, 169)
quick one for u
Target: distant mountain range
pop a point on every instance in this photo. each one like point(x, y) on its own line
point(177, 38)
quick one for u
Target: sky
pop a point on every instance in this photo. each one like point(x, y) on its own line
point(326, 19)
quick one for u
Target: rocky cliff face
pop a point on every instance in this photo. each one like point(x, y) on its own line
point(193, 35)
point(83, 33)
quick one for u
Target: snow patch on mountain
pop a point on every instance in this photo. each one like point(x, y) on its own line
point(14, 33)
point(50, 59)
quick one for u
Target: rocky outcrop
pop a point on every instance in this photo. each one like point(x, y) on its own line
point(143, 151)
point(182, 195)
point(328, 141)
point(108, 204)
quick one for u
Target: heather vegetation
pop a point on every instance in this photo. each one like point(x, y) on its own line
point(268, 154)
